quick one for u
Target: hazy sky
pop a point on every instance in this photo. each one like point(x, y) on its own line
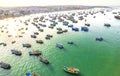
point(7, 3)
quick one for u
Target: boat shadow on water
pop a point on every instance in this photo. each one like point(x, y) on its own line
point(68, 74)
point(74, 45)
point(49, 66)
point(106, 41)
point(63, 49)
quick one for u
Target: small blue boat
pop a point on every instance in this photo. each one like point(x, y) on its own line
point(70, 25)
point(28, 74)
point(84, 29)
point(75, 29)
point(48, 35)
point(59, 45)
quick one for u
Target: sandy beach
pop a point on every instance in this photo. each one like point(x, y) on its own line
point(6, 12)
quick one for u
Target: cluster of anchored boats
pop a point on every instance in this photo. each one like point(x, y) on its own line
point(32, 53)
point(39, 24)
point(38, 53)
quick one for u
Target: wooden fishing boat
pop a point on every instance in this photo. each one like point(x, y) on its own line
point(71, 70)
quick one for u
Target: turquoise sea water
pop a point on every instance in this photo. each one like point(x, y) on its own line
point(92, 57)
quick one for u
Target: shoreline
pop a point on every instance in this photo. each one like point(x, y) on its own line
point(12, 12)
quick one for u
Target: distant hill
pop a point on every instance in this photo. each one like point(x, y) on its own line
point(20, 11)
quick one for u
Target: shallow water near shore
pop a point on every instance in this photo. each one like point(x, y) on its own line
point(92, 57)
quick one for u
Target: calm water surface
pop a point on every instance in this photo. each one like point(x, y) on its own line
point(92, 57)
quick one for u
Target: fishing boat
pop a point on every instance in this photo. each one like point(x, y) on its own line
point(5, 65)
point(65, 23)
point(59, 45)
point(41, 30)
point(70, 42)
point(33, 36)
point(59, 32)
point(99, 39)
point(52, 26)
point(4, 44)
point(48, 38)
point(71, 70)
point(13, 42)
point(87, 24)
point(28, 74)
point(16, 52)
point(117, 17)
point(59, 29)
point(44, 60)
point(107, 24)
point(65, 30)
point(81, 18)
point(84, 29)
point(36, 33)
point(35, 52)
point(39, 41)
point(70, 25)
point(26, 45)
point(75, 29)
